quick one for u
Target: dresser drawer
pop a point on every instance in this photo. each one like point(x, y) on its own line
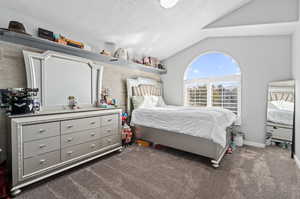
point(280, 133)
point(71, 126)
point(80, 137)
point(73, 152)
point(110, 140)
point(41, 162)
point(40, 131)
point(79, 150)
point(109, 120)
point(109, 130)
point(41, 146)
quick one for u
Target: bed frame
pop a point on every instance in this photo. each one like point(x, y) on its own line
point(188, 143)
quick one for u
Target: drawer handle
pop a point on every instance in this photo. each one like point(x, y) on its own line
point(42, 130)
point(70, 152)
point(92, 122)
point(108, 131)
point(69, 139)
point(70, 126)
point(42, 161)
point(93, 146)
point(93, 134)
point(109, 120)
point(43, 145)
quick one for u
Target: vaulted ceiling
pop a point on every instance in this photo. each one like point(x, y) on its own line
point(143, 26)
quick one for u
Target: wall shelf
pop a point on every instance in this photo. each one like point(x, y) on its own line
point(44, 44)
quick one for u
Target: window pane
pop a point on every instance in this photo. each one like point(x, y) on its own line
point(197, 95)
point(225, 95)
point(212, 65)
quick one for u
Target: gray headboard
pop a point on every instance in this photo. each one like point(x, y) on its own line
point(137, 81)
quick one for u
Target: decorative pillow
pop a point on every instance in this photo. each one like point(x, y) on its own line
point(144, 101)
point(137, 101)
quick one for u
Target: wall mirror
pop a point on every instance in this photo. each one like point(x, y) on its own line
point(280, 113)
point(59, 76)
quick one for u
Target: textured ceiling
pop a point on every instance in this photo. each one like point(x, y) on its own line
point(143, 26)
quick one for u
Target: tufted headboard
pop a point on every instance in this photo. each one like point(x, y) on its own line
point(282, 91)
point(142, 87)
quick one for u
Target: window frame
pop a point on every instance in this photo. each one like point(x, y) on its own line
point(209, 81)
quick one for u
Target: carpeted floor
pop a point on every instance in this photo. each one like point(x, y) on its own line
point(147, 173)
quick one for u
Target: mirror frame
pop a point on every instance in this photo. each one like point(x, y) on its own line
point(293, 125)
point(36, 80)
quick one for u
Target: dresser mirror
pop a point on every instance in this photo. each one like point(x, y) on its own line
point(280, 113)
point(58, 76)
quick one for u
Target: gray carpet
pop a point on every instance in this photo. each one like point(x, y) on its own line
point(147, 173)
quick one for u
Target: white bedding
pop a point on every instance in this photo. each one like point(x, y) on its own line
point(281, 116)
point(281, 112)
point(209, 123)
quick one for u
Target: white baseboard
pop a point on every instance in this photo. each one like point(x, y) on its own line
point(255, 144)
point(297, 161)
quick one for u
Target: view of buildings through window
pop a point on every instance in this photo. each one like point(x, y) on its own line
point(213, 80)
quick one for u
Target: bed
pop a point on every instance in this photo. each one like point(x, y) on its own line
point(202, 131)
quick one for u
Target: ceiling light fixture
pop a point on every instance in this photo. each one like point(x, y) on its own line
point(168, 3)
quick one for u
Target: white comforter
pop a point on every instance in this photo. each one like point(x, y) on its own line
point(281, 116)
point(281, 112)
point(209, 123)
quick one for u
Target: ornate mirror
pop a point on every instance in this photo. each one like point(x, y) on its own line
point(59, 76)
point(280, 113)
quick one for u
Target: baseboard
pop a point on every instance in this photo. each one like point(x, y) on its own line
point(255, 144)
point(297, 161)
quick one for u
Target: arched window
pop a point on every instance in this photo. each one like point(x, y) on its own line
point(213, 80)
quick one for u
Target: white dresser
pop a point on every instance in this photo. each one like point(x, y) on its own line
point(45, 144)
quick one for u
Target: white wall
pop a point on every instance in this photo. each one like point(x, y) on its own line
point(260, 12)
point(262, 60)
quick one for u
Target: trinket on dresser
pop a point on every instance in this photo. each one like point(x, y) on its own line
point(106, 100)
point(73, 103)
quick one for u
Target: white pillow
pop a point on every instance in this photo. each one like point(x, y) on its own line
point(137, 101)
point(144, 101)
point(272, 106)
point(160, 101)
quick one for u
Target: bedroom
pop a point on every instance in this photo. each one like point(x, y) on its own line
point(208, 91)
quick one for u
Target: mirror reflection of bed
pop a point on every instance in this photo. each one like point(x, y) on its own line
point(280, 114)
